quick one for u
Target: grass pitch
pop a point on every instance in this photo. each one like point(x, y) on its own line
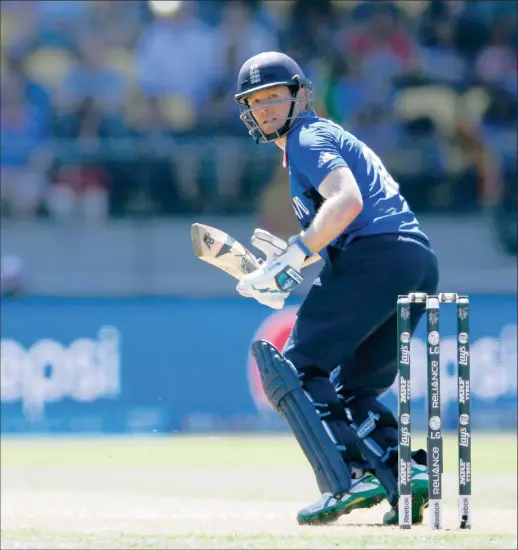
point(222, 492)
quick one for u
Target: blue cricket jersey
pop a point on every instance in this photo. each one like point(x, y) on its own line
point(316, 146)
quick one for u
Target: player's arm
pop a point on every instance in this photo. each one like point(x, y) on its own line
point(312, 260)
point(343, 203)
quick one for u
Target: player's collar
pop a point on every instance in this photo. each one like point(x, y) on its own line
point(303, 117)
point(299, 119)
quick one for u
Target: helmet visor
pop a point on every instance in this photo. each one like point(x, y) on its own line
point(257, 127)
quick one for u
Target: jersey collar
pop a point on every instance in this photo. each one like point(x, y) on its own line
point(302, 117)
point(299, 119)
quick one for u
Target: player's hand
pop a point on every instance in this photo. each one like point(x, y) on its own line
point(280, 275)
point(270, 245)
point(275, 300)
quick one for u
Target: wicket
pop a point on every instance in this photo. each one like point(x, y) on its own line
point(434, 439)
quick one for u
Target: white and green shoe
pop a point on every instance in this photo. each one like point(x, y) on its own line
point(420, 497)
point(365, 492)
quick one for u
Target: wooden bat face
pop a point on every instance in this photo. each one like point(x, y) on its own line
point(216, 247)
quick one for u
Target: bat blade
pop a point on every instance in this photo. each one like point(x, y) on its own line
point(218, 248)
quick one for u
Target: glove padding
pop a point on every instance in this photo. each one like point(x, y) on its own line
point(270, 299)
point(279, 275)
point(272, 247)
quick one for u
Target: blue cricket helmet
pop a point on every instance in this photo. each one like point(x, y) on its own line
point(268, 70)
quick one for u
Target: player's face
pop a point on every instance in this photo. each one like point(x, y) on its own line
point(270, 107)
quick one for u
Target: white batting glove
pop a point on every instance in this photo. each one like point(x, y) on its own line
point(273, 246)
point(275, 300)
point(270, 245)
point(280, 275)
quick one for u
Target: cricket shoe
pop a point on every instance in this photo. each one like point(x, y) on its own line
point(420, 497)
point(365, 492)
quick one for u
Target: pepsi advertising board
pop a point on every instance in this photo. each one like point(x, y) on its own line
point(164, 365)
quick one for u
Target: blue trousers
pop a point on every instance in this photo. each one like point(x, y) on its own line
point(343, 343)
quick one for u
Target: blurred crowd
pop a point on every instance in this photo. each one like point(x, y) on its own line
point(117, 108)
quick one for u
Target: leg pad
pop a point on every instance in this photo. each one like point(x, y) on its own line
point(284, 391)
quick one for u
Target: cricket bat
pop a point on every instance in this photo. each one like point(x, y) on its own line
point(216, 247)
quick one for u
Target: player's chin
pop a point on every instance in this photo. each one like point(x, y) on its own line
point(270, 128)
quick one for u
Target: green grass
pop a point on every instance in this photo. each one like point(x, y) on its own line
point(220, 452)
point(221, 492)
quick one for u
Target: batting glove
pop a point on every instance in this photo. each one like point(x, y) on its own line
point(270, 245)
point(281, 274)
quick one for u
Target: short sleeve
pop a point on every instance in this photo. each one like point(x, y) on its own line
point(315, 155)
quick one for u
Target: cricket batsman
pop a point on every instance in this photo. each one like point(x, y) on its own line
point(341, 355)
